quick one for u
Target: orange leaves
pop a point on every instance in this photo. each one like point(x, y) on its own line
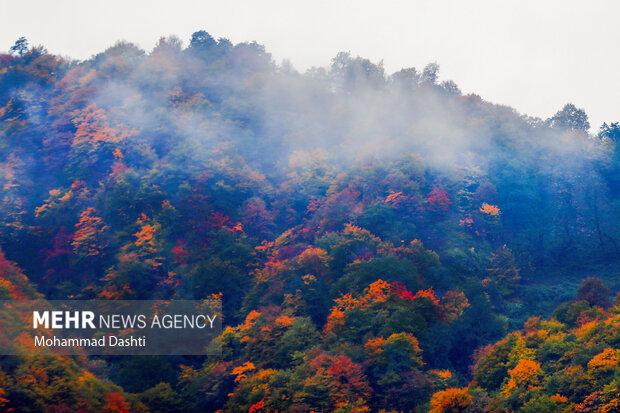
point(115, 403)
point(355, 232)
point(453, 400)
point(250, 319)
point(490, 210)
point(443, 374)
point(335, 320)
point(241, 370)
point(532, 324)
point(428, 294)
point(558, 398)
point(336, 317)
point(525, 376)
point(606, 361)
point(527, 372)
point(346, 302)
point(344, 379)
point(57, 200)
point(401, 347)
point(118, 167)
point(88, 239)
point(3, 400)
point(145, 235)
point(381, 293)
point(564, 351)
point(467, 222)
point(283, 321)
point(93, 127)
point(13, 283)
point(313, 259)
point(114, 292)
point(374, 346)
point(147, 242)
point(392, 197)
point(273, 271)
point(454, 302)
point(377, 292)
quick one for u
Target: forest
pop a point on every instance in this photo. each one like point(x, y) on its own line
point(380, 242)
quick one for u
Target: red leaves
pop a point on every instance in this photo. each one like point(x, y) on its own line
point(219, 220)
point(180, 253)
point(345, 379)
point(257, 406)
point(400, 290)
point(438, 201)
point(115, 403)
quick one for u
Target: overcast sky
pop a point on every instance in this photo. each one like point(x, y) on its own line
point(532, 55)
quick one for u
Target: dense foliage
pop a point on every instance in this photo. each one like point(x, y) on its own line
point(371, 235)
point(566, 364)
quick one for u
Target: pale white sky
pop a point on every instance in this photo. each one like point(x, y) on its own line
point(532, 55)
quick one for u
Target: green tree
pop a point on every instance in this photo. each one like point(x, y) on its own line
point(571, 118)
point(20, 47)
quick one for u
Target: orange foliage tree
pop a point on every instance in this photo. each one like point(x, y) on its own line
point(89, 237)
point(452, 400)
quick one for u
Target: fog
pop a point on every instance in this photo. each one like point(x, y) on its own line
point(508, 52)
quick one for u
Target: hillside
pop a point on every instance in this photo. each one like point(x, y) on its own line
point(368, 233)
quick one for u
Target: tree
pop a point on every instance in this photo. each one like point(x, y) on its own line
point(351, 74)
point(90, 240)
point(115, 403)
point(570, 118)
point(504, 271)
point(438, 201)
point(170, 44)
point(452, 400)
point(334, 380)
point(451, 87)
point(594, 292)
point(430, 73)
point(611, 131)
point(406, 79)
point(161, 398)
point(202, 41)
point(20, 47)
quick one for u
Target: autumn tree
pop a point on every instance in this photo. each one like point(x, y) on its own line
point(503, 270)
point(438, 201)
point(453, 400)
point(594, 292)
point(89, 239)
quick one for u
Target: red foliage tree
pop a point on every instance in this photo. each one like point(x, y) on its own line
point(438, 201)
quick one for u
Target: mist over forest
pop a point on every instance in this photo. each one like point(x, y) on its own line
point(380, 241)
